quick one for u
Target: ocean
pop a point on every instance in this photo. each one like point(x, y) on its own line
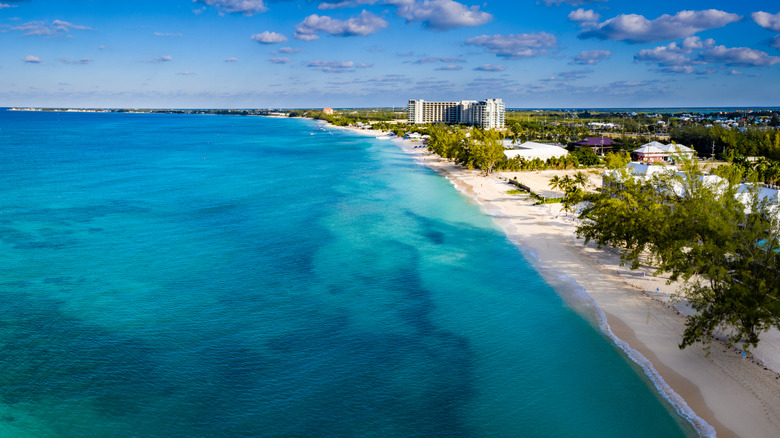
point(224, 276)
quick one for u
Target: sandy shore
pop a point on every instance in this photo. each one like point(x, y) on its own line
point(722, 394)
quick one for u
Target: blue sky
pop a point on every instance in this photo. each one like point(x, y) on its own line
point(357, 53)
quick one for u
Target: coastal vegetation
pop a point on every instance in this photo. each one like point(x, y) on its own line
point(700, 232)
point(572, 187)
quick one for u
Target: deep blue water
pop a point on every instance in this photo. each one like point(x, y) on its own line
point(204, 276)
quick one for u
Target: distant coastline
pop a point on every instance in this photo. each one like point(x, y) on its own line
point(284, 112)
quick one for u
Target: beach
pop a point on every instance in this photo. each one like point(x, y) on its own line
point(721, 393)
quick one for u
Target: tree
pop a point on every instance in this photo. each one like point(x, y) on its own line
point(586, 156)
point(617, 160)
point(572, 188)
point(698, 231)
point(486, 149)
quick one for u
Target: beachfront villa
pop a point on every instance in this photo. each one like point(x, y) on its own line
point(531, 149)
point(654, 152)
point(488, 113)
point(646, 172)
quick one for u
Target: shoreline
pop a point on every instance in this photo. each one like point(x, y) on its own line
point(719, 394)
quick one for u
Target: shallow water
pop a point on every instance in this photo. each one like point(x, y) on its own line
point(237, 276)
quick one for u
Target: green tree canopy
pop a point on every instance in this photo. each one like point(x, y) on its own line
point(698, 230)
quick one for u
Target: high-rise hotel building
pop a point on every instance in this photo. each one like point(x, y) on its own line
point(488, 113)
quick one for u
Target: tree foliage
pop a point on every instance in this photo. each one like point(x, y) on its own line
point(698, 230)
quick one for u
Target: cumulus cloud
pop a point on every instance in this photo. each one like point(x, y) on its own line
point(30, 59)
point(591, 57)
point(673, 53)
point(345, 4)
point(246, 7)
point(451, 67)
point(231, 60)
point(280, 60)
point(165, 58)
point(584, 17)
point(55, 28)
point(767, 20)
point(365, 23)
point(335, 66)
point(681, 58)
point(440, 14)
point(738, 56)
point(634, 28)
point(516, 46)
point(489, 67)
point(269, 38)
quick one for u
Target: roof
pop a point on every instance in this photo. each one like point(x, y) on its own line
point(531, 149)
point(677, 149)
point(595, 141)
point(650, 149)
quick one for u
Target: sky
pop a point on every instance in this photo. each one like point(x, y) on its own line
point(381, 53)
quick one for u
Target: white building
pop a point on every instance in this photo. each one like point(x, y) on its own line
point(531, 149)
point(488, 113)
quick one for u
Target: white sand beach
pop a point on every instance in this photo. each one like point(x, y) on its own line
point(723, 394)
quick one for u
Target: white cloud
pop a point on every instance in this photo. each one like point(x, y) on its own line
point(440, 14)
point(738, 56)
point(30, 59)
point(165, 58)
point(186, 73)
point(280, 60)
point(767, 20)
point(683, 69)
point(269, 38)
point(56, 28)
point(289, 50)
point(451, 67)
point(246, 7)
point(4, 5)
point(634, 28)
point(584, 17)
point(335, 66)
point(673, 53)
point(516, 46)
point(231, 60)
point(365, 23)
point(489, 67)
point(591, 57)
point(345, 4)
point(173, 35)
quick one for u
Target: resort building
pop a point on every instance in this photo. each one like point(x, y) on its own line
point(488, 113)
point(531, 149)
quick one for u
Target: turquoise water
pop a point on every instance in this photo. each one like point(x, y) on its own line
point(233, 276)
